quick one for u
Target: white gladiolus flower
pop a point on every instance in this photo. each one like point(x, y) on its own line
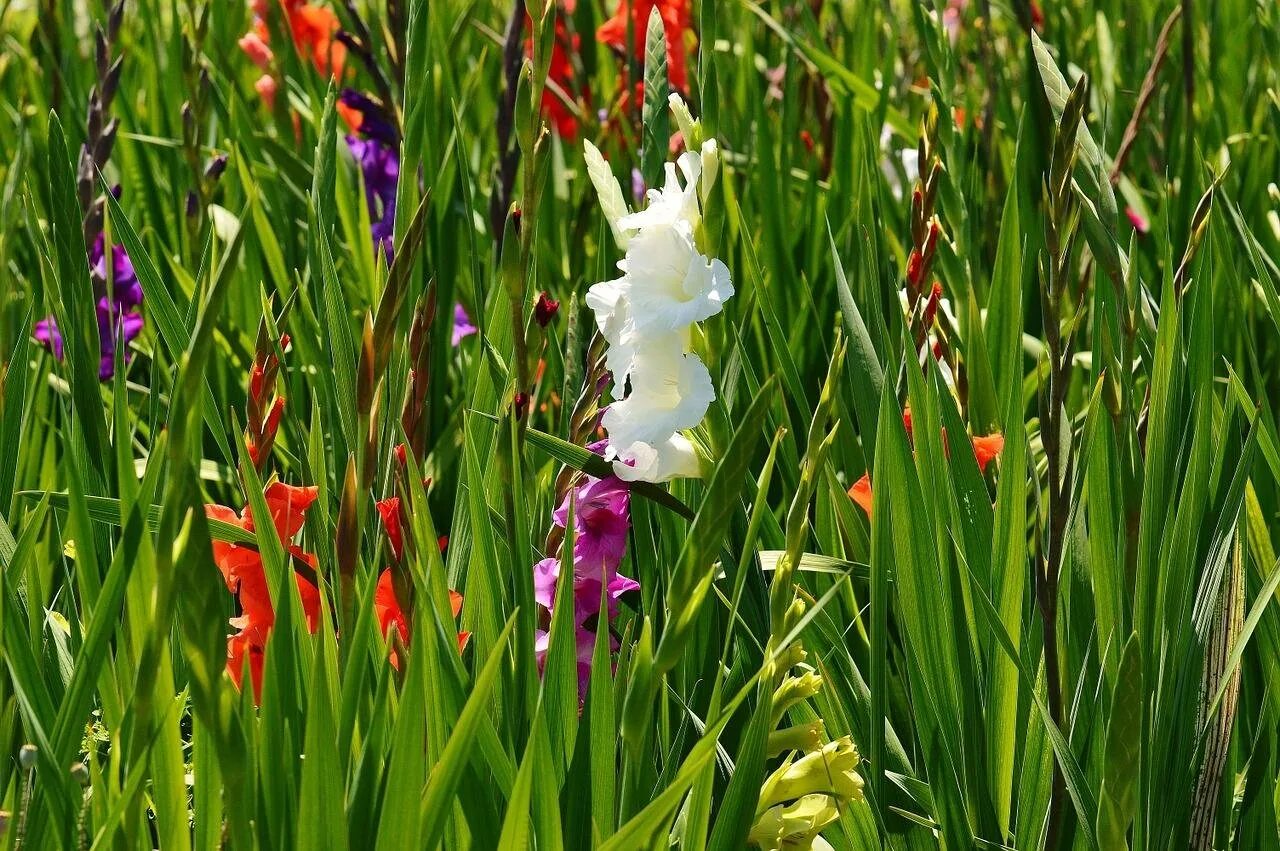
point(647, 315)
point(667, 284)
point(672, 203)
point(670, 391)
point(674, 458)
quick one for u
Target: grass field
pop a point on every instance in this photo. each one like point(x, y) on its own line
point(891, 386)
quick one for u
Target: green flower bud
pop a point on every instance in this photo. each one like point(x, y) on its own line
point(801, 737)
point(792, 691)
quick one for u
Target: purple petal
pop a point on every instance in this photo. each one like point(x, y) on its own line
point(46, 332)
point(462, 326)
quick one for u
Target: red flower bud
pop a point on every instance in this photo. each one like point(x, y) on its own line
point(914, 264)
point(546, 308)
point(273, 418)
point(931, 306)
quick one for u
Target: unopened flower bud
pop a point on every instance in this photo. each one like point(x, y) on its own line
point(801, 737)
point(545, 310)
point(27, 757)
point(215, 168)
point(80, 774)
point(792, 691)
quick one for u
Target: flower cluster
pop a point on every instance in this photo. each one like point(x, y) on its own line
point(647, 315)
point(601, 521)
point(118, 307)
point(241, 566)
point(632, 16)
point(313, 30)
point(630, 20)
point(802, 797)
point(986, 448)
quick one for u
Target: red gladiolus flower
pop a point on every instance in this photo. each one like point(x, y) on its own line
point(242, 569)
point(560, 74)
point(985, 449)
point(390, 614)
point(313, 30)
point(389, 508)
point(634, 14)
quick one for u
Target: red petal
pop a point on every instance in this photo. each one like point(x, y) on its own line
point(288, 506)
point(389, 509)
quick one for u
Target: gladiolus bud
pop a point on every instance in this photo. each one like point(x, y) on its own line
point(257, 50)
point(802, 737)
point(545, 310)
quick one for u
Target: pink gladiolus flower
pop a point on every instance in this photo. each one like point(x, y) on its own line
point(256, 49)
point(1140, 224)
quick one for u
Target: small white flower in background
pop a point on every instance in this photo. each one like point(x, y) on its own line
point(909, 157)
point(647, 315)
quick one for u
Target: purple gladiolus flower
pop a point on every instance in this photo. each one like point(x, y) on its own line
point(119, 315)
point(379, 159)
point(462, 326)
point(380, 165)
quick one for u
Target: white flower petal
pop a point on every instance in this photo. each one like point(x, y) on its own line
point(670, 391)
point(669, 283)
point(643, 462)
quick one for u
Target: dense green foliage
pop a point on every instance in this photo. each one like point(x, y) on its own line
point(1075, 646)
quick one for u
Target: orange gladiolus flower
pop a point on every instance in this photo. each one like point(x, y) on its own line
point(985, 449)
point(861, 493)
point(242, 570)
point(390, 614)
point(313, 30)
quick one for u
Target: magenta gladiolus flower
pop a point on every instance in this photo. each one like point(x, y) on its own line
point(601, 521)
